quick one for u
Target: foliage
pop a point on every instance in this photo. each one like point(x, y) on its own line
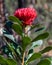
point(17, 51)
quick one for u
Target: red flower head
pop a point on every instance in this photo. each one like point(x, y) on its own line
point(27, 15)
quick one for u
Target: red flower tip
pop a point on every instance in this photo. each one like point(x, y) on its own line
point(27, 15)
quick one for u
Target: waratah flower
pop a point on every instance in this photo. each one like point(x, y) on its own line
point(27, 15)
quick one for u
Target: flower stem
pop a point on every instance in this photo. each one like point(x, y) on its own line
point(23, 59)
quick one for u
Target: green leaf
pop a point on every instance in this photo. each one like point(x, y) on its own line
point(8, 24)
point(18, 50)
point(9, 36)
point(41, 36)
point(40, 29)
point(33, 57)
point(11, 61)
point(34, 26)
point(44, 62)
point(35, 44)
point(30, 51)
point(25, 42)
point(14, 19)
point(7, 61)
point(50, 58)
point(17, 28)
point(3, 60)
point(46, 49)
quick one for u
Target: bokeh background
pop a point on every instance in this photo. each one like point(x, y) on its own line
point(44, 10)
